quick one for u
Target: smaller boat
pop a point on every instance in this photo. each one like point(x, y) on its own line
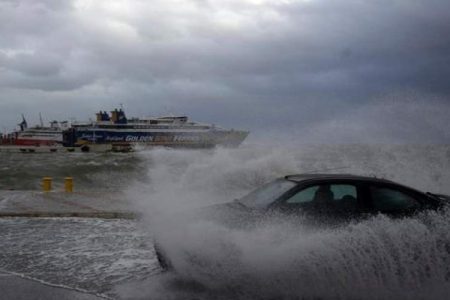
point(37, 135)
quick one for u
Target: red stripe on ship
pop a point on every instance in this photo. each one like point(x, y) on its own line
point(34, 142)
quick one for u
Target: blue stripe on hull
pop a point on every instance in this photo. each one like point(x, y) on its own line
point(170, 139)
point(142, 137)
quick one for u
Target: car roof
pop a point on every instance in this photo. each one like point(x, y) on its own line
point(304, 177)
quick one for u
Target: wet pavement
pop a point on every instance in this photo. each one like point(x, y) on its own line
point(83, 240)
point(87, 254)
point(19, 288)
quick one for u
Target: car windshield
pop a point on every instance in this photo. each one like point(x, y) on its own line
point(265, 195)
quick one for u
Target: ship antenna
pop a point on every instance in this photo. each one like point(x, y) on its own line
point(40, 120)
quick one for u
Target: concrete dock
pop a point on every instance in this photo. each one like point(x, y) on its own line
point(62, 204)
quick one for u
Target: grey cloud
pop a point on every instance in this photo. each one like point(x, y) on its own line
point(33, 66)
point(233, 62)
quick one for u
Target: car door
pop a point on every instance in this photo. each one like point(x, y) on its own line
point(392, 200)
point(330, 201)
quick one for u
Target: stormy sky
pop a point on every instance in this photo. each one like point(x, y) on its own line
point(314, 70)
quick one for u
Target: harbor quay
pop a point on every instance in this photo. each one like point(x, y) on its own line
point(91, 204)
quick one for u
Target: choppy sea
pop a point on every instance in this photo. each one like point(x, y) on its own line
point(379, 258)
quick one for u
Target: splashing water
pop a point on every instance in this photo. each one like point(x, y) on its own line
point(378, 258)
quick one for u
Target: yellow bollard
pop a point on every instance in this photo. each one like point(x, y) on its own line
point(47, 184)
point(68, 184)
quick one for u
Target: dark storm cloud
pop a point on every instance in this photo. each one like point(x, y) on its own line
point(248, 63)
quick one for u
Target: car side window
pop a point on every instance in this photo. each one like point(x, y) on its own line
point(345, 194)
point(303, 196)
point(386, 199)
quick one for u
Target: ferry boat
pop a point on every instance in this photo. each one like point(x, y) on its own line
point(120, 133)
point(37, 135)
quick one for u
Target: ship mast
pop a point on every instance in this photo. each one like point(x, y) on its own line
point(23, 125)
point(40, 120)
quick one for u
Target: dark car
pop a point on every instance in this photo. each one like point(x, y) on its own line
point(323, 199)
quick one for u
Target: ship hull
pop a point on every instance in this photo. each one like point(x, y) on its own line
point(175, 138)
point(35, 142)
point(32, 141)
